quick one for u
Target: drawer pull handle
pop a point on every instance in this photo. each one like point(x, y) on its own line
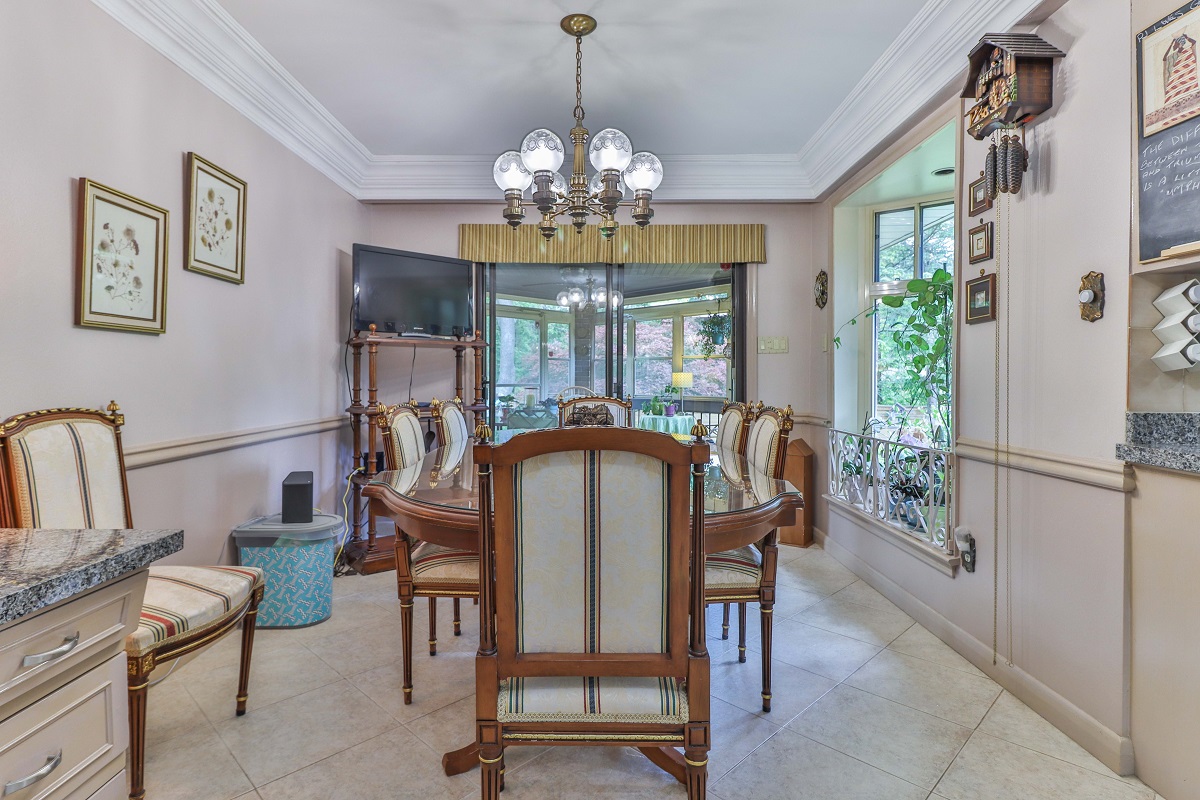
point(51, 764)
point(67, 646)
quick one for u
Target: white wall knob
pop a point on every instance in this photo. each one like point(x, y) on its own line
point(1087, 296)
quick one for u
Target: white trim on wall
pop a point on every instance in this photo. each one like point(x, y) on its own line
point(922, 63)
point(149, 455)
point(1111, 748)
point(1102, 473)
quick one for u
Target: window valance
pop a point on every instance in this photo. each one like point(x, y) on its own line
point(656, 244)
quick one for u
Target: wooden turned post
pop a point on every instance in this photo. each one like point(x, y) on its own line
point(356, 430)
point(372, 412)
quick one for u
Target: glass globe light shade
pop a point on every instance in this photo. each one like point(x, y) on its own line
point(576, 295)
point(617, 298)
point(560, 184)
point(562, 299)
point(645, 171)
point(596, 184)
point(542, 150)
point(599, 296)
point(510, 174)
point(610, 149)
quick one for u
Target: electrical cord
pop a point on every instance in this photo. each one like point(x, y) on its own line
point(411, 368)
point(339, 567)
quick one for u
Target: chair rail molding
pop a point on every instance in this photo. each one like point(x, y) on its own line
point(924, 61)
point(154, 453)
point(1102, 473)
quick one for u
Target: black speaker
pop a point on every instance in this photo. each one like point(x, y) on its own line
point(297, 498)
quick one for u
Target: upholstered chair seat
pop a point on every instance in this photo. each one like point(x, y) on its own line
point(182, 600)
point(64, 468)
point(733, 569)
point(653, 701)
point(434, 563)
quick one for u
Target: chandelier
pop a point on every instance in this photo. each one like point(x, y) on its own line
point(618, 168)
point(587, 296)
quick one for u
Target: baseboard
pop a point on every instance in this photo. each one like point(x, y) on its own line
point(1112, 749)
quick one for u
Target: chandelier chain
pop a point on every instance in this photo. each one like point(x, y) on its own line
point(579, 79)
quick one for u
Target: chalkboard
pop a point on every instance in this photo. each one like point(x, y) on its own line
point(1168, 160)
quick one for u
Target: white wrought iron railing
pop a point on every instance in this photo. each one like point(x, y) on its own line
point(908, 486)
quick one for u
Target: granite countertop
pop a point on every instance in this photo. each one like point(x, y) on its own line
point(1163, 440)
point(39, 567)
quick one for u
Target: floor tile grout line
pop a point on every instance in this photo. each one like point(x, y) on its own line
point(977, 674)
point(1112, 776)
point(859, 760)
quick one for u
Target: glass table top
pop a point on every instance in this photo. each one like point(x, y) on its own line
point(447, 477)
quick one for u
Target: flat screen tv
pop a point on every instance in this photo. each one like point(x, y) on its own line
point(412, 293)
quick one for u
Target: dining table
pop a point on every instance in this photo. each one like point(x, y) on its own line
point(437, 500)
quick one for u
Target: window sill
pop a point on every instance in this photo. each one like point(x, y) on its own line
point(927, 554)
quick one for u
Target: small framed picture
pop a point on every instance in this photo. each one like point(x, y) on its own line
point(981, 299)
point(122, 280)
point(979, 243)
point(216, 228)
point(979, 200)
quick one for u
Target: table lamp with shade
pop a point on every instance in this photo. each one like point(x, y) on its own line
point(681, 381)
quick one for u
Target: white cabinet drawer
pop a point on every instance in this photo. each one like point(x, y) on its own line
point(83, 726)
point(115, 789)
point(36, 649)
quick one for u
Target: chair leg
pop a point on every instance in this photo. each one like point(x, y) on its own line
point(457, 620)
point(491, 771)
point(406, 631)
point(697, 773)
point(433, 626)
point(140, 668)
point(741, 633)
point(249, 623)
point(725, 621)
point(768, 614)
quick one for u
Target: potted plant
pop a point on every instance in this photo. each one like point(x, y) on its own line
point(672, 407)
point(715, 331)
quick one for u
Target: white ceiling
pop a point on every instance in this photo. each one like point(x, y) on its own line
point(911, 176)
point(411, 100)
point(705, 77)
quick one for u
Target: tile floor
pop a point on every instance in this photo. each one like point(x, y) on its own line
point(867, 704)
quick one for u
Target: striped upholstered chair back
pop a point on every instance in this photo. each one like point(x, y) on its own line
point(65, 470)
point(766, 442)
point(732, 427)
point(403, 439)
point(621, 410)
point(592, 543)
point(449, 422)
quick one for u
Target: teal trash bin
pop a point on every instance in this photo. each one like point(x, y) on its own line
point(297, 562)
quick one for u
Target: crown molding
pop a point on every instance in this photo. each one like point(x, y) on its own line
point(202, 39)
point(208, 44)
point(928, 56)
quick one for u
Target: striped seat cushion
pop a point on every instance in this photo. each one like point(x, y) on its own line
point(432, 562)
point(182, 600)
point(610, 699)
point(733, 569)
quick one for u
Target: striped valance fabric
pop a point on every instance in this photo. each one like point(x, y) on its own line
point(654, 244)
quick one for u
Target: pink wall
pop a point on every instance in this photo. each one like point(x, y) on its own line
point(85, 97)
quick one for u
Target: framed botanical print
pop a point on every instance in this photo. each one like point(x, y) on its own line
point(979, 243)
point(979, 200)
point(981, 299)
point(216, 221)
point(122, 280)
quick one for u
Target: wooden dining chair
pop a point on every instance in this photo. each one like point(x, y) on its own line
point(424, 569)
point(622, 410)
point(403, 438)
point(733, 426)
point(65, 468)
point(747, 574)
point(592, 609)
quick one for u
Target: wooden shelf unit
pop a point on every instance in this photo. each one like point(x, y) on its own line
point(372, 552)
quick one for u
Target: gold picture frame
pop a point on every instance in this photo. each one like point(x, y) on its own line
point(978, 200)
point(979, 243)
point(121, 282)
point(981, 299)
point(215, 242)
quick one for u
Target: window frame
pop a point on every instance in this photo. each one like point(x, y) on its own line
point(543, 318)
point(874, 290)
point(676, 313)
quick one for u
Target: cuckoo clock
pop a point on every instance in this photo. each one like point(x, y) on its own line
point(1010, 79)
point(1011, 82)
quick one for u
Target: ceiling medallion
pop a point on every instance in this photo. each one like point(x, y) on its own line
point(617, 167)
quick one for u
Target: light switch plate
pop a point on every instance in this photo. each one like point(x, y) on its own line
point(772, 344)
